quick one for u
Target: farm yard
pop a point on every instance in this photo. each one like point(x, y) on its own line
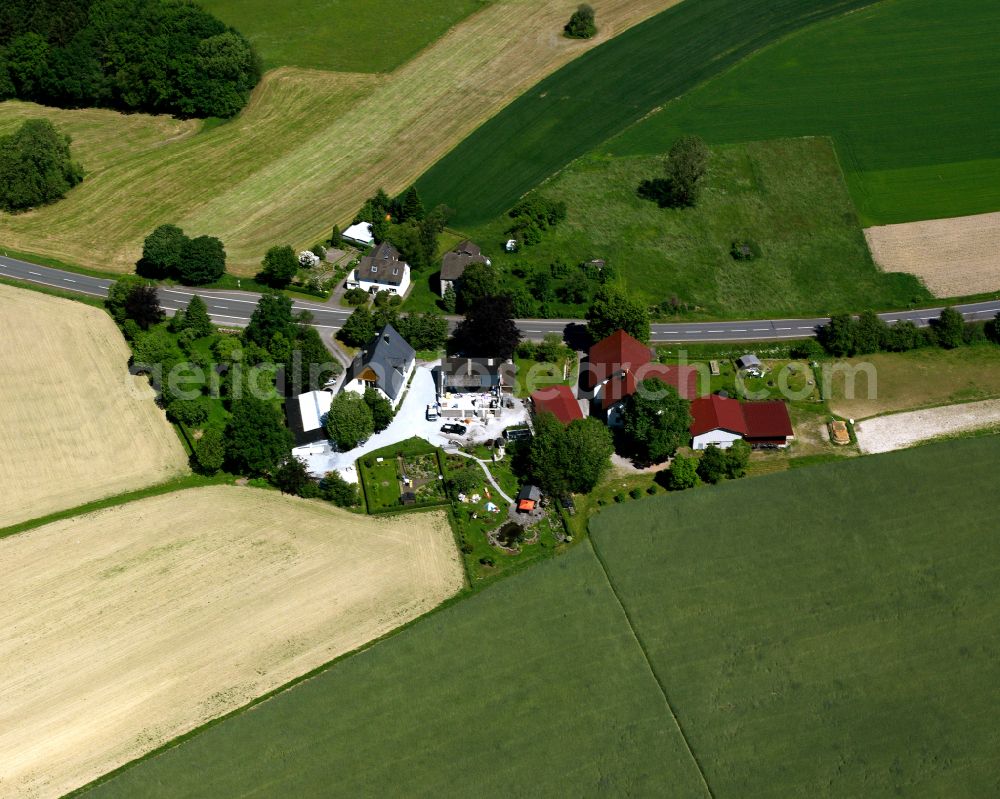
point(904, 88)
point(953, 257)
point(164, 613)
point(304, 154)
point(75, 426)
point(787, 196)
point(851, 658)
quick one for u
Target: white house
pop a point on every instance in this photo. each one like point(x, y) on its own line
point(383, 270)
point(722, 421)
point(385, 364)
point(361, 233)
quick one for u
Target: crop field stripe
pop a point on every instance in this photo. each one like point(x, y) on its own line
point(602, 92)
point(652, 669)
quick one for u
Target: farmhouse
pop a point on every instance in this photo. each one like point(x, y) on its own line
point(619, 363)
point(557, 400)
point(384, 364)
point(454, 263)
point(360, 233)
point(722, 420)
point(383, 270)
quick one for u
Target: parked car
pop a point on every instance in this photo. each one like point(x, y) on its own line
point(454, 429)
point(432, 413)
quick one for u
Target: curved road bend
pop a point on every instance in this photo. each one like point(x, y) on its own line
point(233, 308)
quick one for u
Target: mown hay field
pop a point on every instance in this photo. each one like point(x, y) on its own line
point(852, 653)
point(849, 651)
point(597, 96)
point(953, 257)
point(788, 196)
point(75, 426)
point(308, 149)
point(129, 626)
point(906, 89)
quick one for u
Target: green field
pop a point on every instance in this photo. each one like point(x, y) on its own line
point(906, 88)
point(533, 687)
point(341, 35)
point(600, 93)
point(788, 196)
point(829, 631)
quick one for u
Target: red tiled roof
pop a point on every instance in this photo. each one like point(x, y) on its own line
point(717, 413)
point(767, 419)
point(617, 352)
point(557, 400)
point(755, 420)
point(682, 378)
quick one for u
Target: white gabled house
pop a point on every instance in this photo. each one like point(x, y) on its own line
point(383, 270)
point(384, 364)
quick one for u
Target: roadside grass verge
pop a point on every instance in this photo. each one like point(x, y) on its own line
point(906, 90)
point(599, 94)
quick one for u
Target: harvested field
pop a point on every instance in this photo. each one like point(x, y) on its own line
point(311, 146)
point(902, 430)
point(74, 425)
point(158, 615)
point(954, 257)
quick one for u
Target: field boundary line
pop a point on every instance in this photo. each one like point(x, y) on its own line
point(652, 668)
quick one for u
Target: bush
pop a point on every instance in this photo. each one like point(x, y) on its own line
point(337, 490)
point(635, 493)
point(356, 296)
point(745, 250)
point(619, 498)
point(808, 350)
point(652, 489)
point(582, 24)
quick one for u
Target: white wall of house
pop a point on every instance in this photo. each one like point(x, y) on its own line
point(444, 286)
point(723, 439)
point(359, 386)
point(371, 288)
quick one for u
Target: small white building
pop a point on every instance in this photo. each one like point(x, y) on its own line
point(306, 416)
point(383, 270)
point(360, 233)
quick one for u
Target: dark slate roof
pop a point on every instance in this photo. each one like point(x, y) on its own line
point(454, 263)
point(747, 361)
point(389, 356)
point(382, 266)
point(294, 416)
point(476, 373)
point(529, 492)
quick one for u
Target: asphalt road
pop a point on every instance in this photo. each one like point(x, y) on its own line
point(233, 309)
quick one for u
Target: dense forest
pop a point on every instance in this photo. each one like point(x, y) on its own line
point(159, 56)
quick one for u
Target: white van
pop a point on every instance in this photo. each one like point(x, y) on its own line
point(432, 413)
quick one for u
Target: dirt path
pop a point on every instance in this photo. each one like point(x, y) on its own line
point(121, 629)
point(901, 430)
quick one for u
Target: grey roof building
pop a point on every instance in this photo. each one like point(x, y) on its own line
point(475, 374)
point(454, 263)
point(383, 269)
point(385, 363)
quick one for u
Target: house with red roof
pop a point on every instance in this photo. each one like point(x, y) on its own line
point(619, 363)
point(722, 420)
point(557, 400)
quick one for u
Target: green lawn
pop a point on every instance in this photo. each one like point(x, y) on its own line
point(906, 88)
point(603, 91)
point(829, 631)
point(341, 35)
point(787, 195)
point(533, 687)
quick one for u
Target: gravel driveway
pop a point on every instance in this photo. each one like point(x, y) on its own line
point(901, 430)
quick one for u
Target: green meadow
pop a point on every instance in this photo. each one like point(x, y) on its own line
point(829, 631)
point(907, 89)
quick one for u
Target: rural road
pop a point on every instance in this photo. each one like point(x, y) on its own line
point(233, 308)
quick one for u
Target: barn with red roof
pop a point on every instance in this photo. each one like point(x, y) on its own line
point(557, 400)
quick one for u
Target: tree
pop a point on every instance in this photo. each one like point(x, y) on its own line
point(687, 163)
point(315, 366)
point(682, 474)
point(118, 294)
point(36, 167)
point(272, 316)
point(359, 328)
point(162, 252)
point(656, 421)
point(196, 318)
point(478, 281)
point(869, 334)
point(488, 329)
point(257, 440)
point(142, 305)
point(713, 464)
point(337, 490)
point(411, 206)
point(581, 25)
point(349, 421)
point(993, 329)
point(427, 331)
point(450, 299)
point(837, 336)
point(569, 459)
point(210, 451)
point(203, 260)
point(292, 477)
point(335, 237)
point(380, 408)
point(279, 266)
point(189, 412)
point(737, 458)
point(611, 310)
point(465, 480)
point(949, 328)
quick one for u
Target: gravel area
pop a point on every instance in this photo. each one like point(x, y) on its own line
point(901, 430)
